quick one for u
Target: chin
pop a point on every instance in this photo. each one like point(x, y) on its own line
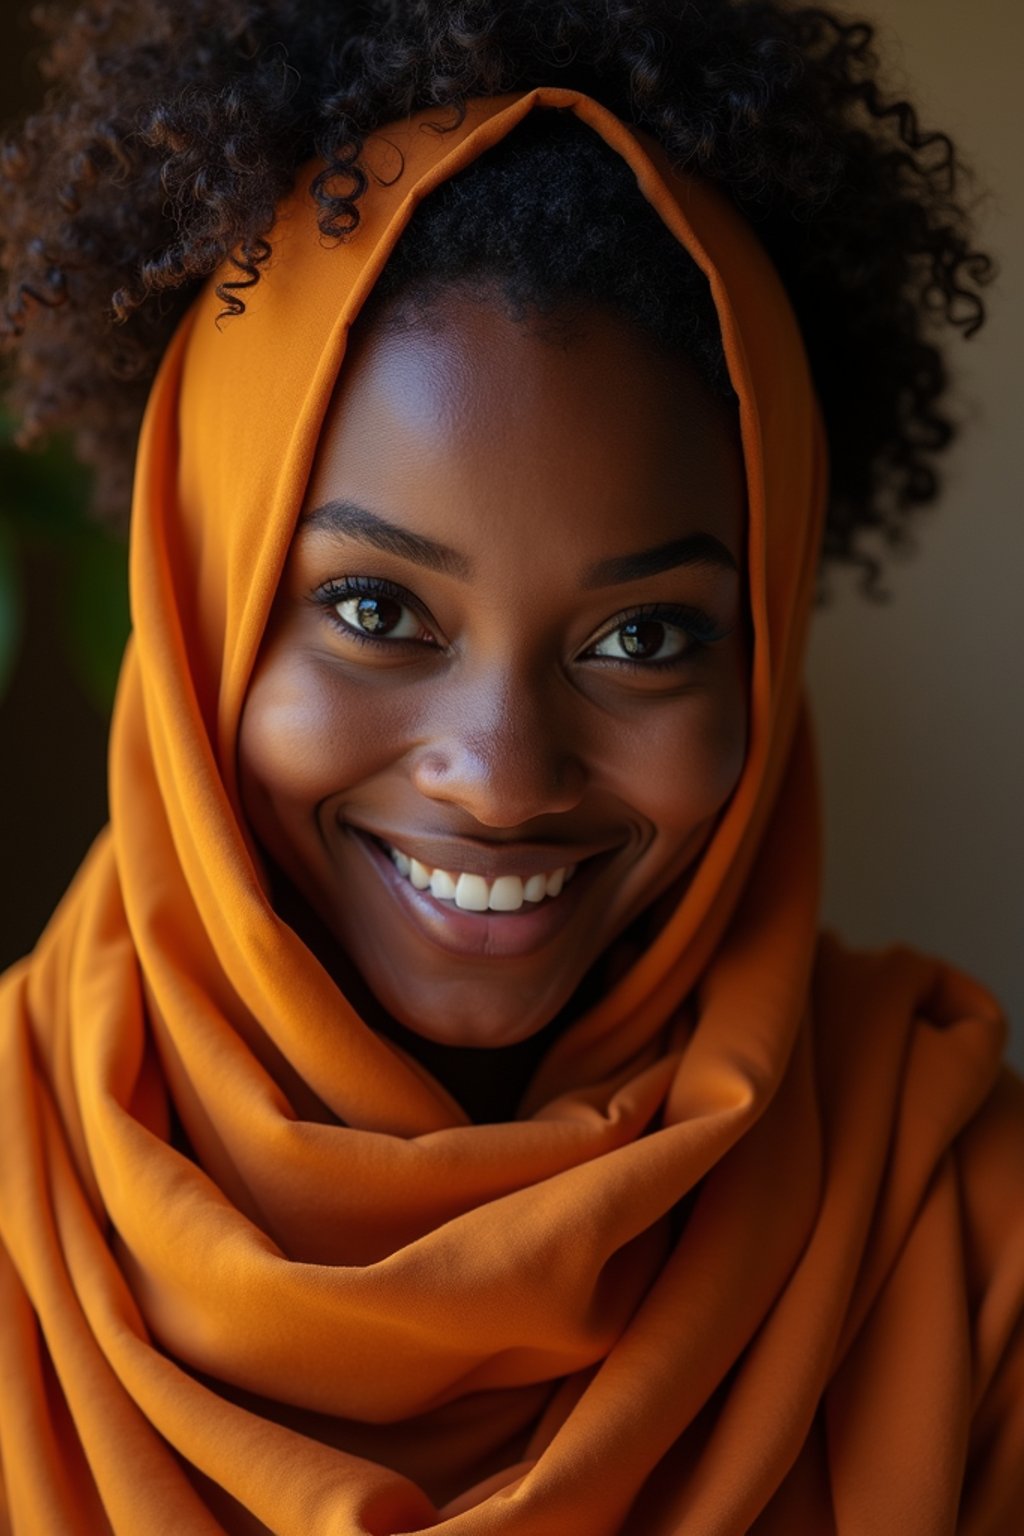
point(484, 1016)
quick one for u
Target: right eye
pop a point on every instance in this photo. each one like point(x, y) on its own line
point(369, 609)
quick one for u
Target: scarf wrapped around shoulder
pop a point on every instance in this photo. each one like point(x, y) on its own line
point(750, 1257)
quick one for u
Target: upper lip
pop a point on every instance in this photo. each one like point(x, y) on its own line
point(490, 861)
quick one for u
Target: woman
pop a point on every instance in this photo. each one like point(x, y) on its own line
point(432, 1105)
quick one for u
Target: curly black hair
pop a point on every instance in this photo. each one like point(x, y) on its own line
point(172, 128)
point(550, 221)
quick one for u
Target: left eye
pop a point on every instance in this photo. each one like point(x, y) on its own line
point(379, 616)
point(643, 640)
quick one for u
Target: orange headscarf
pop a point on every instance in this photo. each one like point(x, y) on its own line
point(751, 1255)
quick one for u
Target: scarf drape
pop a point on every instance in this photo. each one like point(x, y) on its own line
point(750, 1257)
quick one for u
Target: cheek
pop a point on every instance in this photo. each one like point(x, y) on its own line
point(305, 733)
point(691, 763)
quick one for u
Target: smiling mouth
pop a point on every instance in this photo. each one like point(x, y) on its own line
point(483, 930)
point(474, 893)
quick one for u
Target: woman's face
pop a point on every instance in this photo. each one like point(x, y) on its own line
point(502, 696)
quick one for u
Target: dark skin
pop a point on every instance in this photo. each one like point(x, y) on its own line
point(532, 698)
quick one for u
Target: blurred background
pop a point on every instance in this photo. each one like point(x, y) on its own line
point(919, 702)
point(63, 623)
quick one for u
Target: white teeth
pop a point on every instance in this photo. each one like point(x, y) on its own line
point(442, 885)
point(419, 874)
point(506, 894)
point(471, 893)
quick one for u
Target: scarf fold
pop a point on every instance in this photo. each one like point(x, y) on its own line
point(750, 1258)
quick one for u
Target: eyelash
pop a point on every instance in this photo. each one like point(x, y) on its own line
point(333, 592)
point(698, 625)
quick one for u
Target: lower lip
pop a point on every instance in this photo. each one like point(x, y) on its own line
point(496, 935)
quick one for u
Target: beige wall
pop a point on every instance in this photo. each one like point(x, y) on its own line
point(920, 706)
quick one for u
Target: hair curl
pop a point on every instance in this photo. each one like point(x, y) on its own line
point(548, 222)
point(172, 128)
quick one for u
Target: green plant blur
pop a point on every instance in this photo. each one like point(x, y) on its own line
point(44, 508)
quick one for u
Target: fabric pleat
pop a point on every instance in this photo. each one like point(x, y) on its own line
point(750, 1256)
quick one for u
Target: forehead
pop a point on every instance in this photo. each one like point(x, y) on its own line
point(488, 430)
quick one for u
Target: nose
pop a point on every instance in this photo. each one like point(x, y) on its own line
point(502, 752)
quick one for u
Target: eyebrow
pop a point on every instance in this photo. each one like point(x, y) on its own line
point(349, 520)
point(355, 522)
point(693, 549)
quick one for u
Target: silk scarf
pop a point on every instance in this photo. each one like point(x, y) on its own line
point(750, 1256)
